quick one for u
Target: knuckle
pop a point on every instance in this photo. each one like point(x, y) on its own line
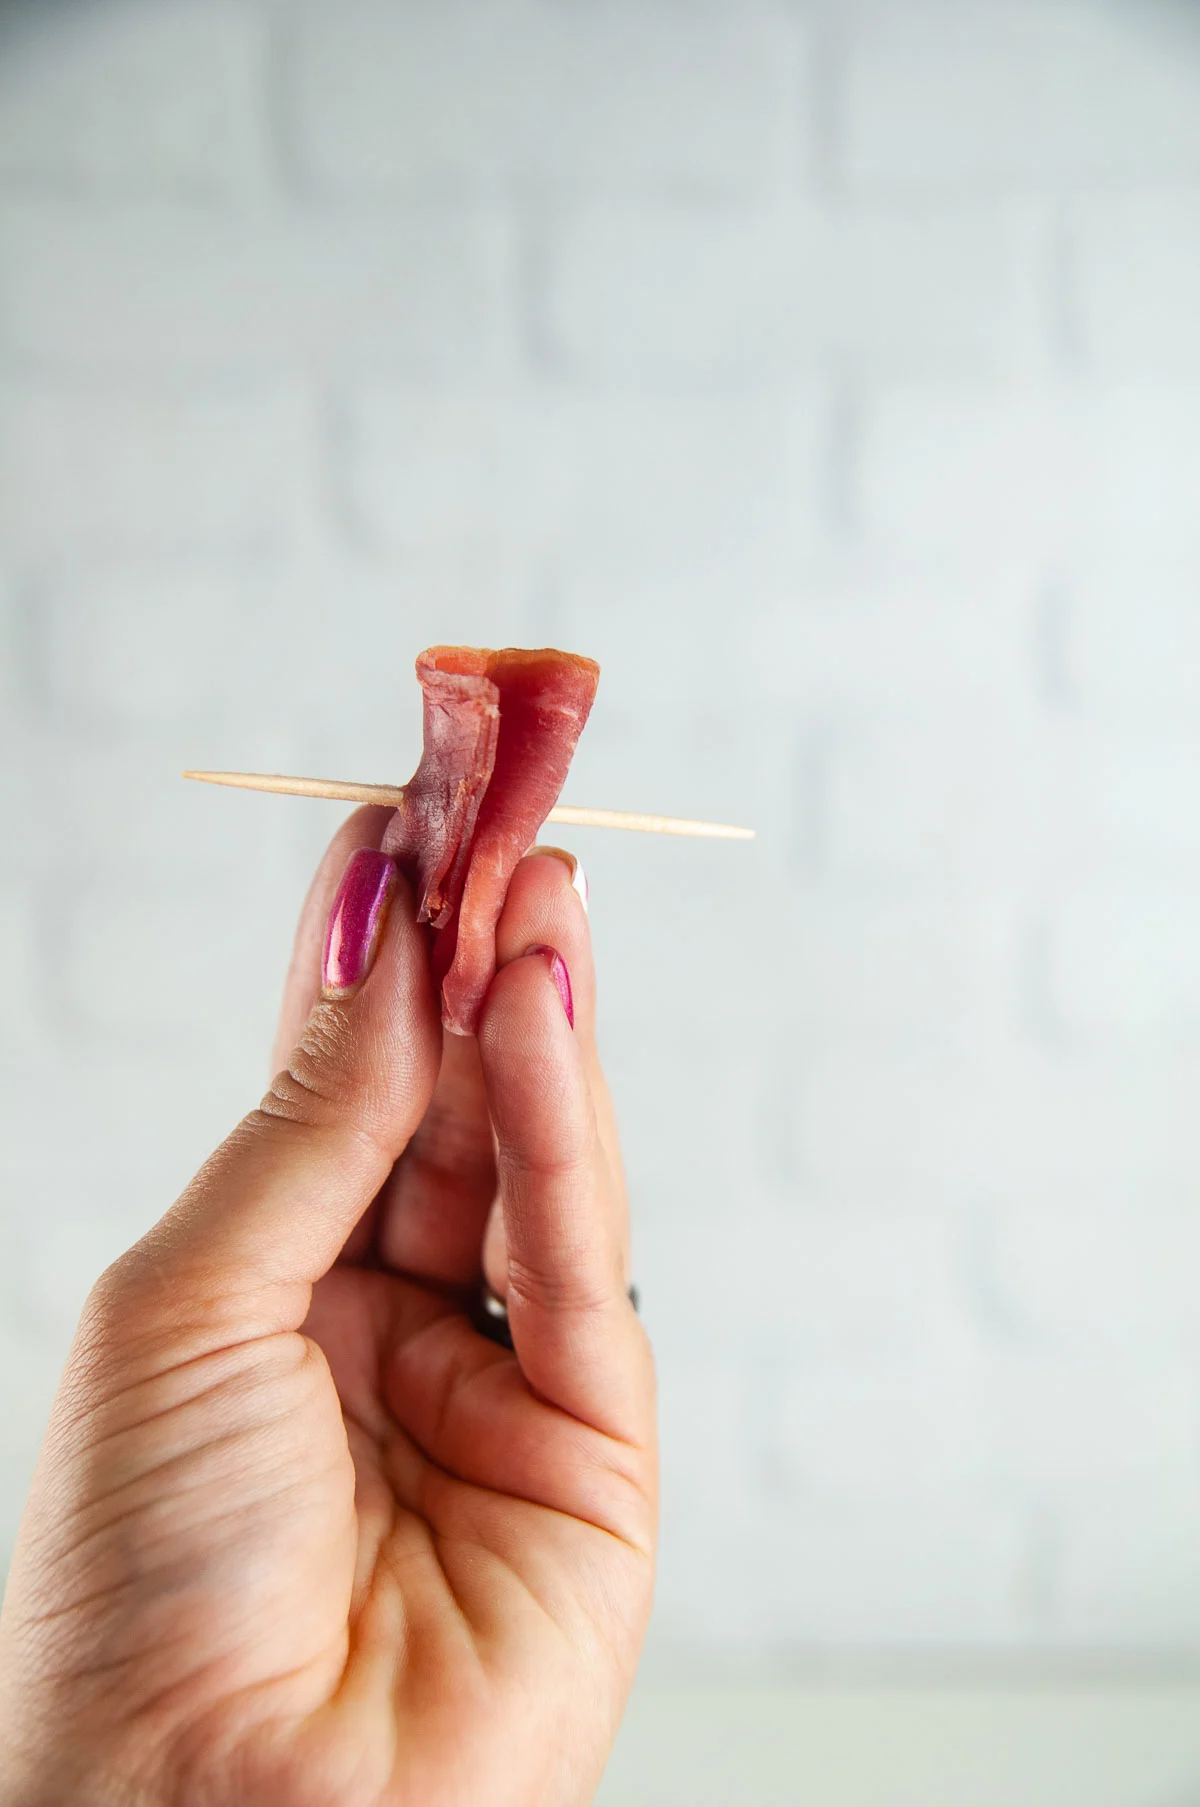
point(319, 1075)
point(573, 1282)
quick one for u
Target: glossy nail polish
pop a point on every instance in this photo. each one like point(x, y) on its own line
point(561, 977)
point(573, 865)
point(357, 916)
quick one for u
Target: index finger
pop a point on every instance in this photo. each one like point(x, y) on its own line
point(575, 1333)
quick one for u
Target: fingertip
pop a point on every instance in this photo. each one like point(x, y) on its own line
point(571, 862)
point(380, 1032)
point(356, 921)
point(546, 875)
point(544, 909)
point(362, 828)
point(560, 976)
point(523, 1008)
point(529, 1054)
point(399, 997)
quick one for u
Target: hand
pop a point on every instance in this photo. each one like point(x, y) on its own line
point(300, 1536)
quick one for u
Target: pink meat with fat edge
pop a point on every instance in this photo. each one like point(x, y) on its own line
point(500, 731)
point(430, 834)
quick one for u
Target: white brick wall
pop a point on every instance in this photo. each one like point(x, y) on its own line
point(133, 97)
point(179, 291)
point(1106, 1274)
point(1139, 287)
point(127, 474)
point(830, 372)
point(527, 95)
point(1137, 664)
point(592, 485)
point(960, 94)
point(703, 296)
point(1125, 969)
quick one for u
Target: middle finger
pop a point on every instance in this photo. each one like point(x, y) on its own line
point(543, 908)
point(437, 1217)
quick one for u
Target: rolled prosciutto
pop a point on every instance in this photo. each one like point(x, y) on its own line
point(499, 732)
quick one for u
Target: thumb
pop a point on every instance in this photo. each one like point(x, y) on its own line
point(269, 1212)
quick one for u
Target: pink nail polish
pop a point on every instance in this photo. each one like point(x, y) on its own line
point(355, 920)
point(561, 977)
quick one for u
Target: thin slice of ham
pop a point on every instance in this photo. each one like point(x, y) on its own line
point(500, 730)
point(545, 700)
point(430, 834)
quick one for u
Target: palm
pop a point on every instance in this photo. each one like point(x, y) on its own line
point(477, 1541)
point(474, 1575)
point(408, 1613)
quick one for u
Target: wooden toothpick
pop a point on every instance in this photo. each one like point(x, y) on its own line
point(393, 794)
point(340, 789)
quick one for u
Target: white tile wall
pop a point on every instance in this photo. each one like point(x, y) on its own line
point(830, 373)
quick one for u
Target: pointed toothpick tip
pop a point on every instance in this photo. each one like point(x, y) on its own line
point(339, 790)
point(572, 814)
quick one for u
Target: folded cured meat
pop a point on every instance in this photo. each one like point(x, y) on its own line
point(500, 729)
point(430, 834)
point(545, 698)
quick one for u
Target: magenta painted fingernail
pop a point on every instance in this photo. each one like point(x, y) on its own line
point(355, 920)
point(561, 977)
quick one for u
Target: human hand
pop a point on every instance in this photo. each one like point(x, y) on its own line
point(300, 1536)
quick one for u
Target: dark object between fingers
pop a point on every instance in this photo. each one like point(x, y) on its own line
point(490, 1316)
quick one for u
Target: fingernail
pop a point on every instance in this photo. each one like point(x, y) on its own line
point(561, 977)
point(579, 882)
point(355, 920)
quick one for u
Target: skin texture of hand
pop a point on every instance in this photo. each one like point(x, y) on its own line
point(299, 1535)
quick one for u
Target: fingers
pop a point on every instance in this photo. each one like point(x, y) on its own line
point(577, 1338)
point(545, 907)
point(434, 1207)
point(267, 1215)
point(466, 1405)
point(363, 829)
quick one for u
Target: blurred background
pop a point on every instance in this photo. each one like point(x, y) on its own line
point(831, 373)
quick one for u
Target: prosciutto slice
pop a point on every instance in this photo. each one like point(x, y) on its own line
point(500, 730)
point(430, 834)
